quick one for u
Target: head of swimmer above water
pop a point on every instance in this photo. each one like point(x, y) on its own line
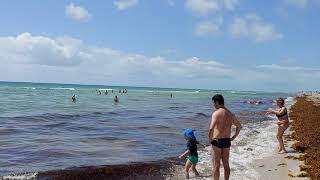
point(218, 101)
point(73, 98)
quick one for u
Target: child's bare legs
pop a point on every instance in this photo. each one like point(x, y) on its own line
point(187, 167)
point(193, 167)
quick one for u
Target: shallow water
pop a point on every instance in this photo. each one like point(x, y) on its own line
point(42, 129)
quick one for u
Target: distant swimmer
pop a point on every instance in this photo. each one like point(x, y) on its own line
point(254, 102)
point(74, 98)
point(126, 90)
point(171, 95)
point(123, 91)
point(99, 92)
point(106, 93)
point(111, 90)
point(259, 102)
point(119, 90)
point(116, 99)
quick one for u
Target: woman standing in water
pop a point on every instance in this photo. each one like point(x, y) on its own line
point(283, 123)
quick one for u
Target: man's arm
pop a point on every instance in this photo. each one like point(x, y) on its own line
point(238, 127)
point(211, 127)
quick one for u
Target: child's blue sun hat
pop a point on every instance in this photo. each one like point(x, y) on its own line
point(189, 133)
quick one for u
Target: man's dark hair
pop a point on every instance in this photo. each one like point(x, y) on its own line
point(219, 98)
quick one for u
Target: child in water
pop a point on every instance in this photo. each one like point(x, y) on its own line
point(191, 153)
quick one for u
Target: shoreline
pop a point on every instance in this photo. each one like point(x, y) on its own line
point(281, 166)
point(302, 115)
point(257, 141)
point(278, 166)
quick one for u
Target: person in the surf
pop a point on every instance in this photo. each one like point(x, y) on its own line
point(73, 98)
point(191, 154)
point(116, 99)
point(220, 135)
point(106, 93)
point(254, 102)
point(283, 123)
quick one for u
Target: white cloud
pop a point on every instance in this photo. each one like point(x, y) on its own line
point(202, 7)
point(77, 12)
point(68, 57)
point(208, 28)
point(252, 26)
point(205, 7)
point(40, 50)
point(171, 2)
point(286, 68)
point(230, 4)
point(67, 60)
point(293, 78)
point(297, 3)
point(125, 4)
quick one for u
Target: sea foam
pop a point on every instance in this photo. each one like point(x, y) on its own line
point(251, 145)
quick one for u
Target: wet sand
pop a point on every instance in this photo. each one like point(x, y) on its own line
point(302, 141)
point(281, 166)
point(278, 166)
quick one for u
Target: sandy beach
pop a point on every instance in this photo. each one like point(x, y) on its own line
point(302, 143)
point(280, 166)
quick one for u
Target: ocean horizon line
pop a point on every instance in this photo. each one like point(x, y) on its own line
point(141, 87)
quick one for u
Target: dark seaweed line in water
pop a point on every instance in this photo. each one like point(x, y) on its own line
point(51, 116)
point(48, 116)
point(156, 170)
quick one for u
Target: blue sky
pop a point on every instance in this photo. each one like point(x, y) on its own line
point(217, 44)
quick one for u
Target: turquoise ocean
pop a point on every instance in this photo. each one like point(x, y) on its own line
point(41, 129)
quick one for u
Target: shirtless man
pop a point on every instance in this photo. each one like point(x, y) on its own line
point(219, 136)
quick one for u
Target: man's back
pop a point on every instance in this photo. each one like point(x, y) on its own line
point(224, 120)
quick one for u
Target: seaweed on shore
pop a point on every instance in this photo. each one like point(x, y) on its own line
point(306, 126)
point(140, 170)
